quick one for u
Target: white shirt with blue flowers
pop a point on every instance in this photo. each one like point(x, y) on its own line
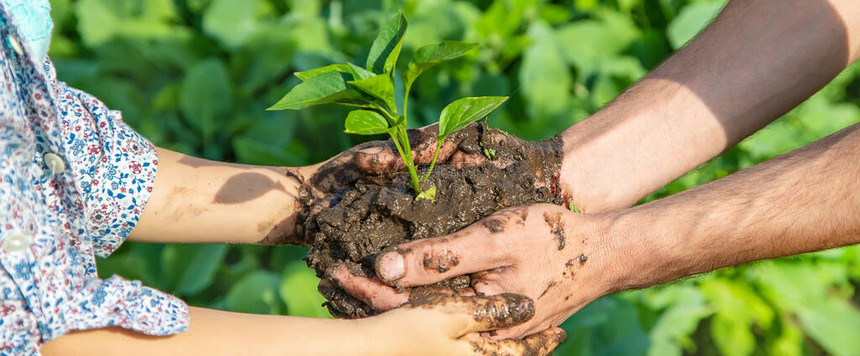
point(74, 180)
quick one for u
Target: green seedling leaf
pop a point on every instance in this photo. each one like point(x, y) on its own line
point(431, 55)
point(308, 74)
point(386, 47)
point(463, 112)
point(379, 86)
point(490, 153)
point(429, 194)
point(366, 122)
point(359, 72)
point(328, 87)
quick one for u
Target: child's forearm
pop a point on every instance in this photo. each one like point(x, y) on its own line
point(214, 332)
point(200, 201)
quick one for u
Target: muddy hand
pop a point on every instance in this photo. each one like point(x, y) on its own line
point(476, 144)
point(317, 184)
point(441, 325)
point(542, 251)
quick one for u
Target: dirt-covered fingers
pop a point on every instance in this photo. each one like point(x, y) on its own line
point(433, 260)
point(373, 292)
point(477, 313)
point(539, 344)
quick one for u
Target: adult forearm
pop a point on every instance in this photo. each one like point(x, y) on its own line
point(201, 201)
point(756, 61)
point(807, 200)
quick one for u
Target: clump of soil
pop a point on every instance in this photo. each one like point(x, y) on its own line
point(381, 211)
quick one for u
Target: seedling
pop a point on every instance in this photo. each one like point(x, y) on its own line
point(371, 88)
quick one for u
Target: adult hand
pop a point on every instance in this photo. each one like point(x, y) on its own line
point(545, 252)
point(437, 325)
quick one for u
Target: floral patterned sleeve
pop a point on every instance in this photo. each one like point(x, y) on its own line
point(74, 180)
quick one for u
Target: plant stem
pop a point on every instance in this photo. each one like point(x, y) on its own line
point(406, 103)
point(406, 154)
point(433, 162)
point(390, 118)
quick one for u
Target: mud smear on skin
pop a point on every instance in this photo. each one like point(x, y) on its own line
point(380, 212)
point(556, 227)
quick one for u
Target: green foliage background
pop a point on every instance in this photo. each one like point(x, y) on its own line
point(196, 75)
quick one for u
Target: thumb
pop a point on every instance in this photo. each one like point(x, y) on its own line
point(434, 260)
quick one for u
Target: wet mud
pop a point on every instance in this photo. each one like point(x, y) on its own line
point(379, 212)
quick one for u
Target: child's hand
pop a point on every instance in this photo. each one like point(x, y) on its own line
point(442, 325)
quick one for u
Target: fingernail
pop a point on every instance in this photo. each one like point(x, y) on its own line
point(390, 266)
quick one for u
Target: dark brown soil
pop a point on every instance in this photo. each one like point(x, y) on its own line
point(381, 211)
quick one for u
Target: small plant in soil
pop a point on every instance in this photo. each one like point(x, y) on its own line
point(377, 212)
point(371, 89)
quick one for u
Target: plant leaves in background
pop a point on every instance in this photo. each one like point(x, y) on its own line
point(299, 291)
point(690, 21)
point(191, 268)
point(205, 95)
point(232, 22)
point(257, 292)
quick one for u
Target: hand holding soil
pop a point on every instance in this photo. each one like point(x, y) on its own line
point(451, 326)
point(542, 251)
point(317, 185)
point(381, 211)
point(474, 145)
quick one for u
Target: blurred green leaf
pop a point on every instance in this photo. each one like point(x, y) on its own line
point(298, 288)
point(609, 326)
point(231, 22)
point(544, 77)
point(685, 308)
point(737, 309)
point(586, 44)
point(191, 268)
point(257, 292)
point(205, 95)
point(690, 21)
point(97, 23)
point(798, 288)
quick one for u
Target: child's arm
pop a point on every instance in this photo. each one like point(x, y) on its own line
point(200, 201)
point(443, 327)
